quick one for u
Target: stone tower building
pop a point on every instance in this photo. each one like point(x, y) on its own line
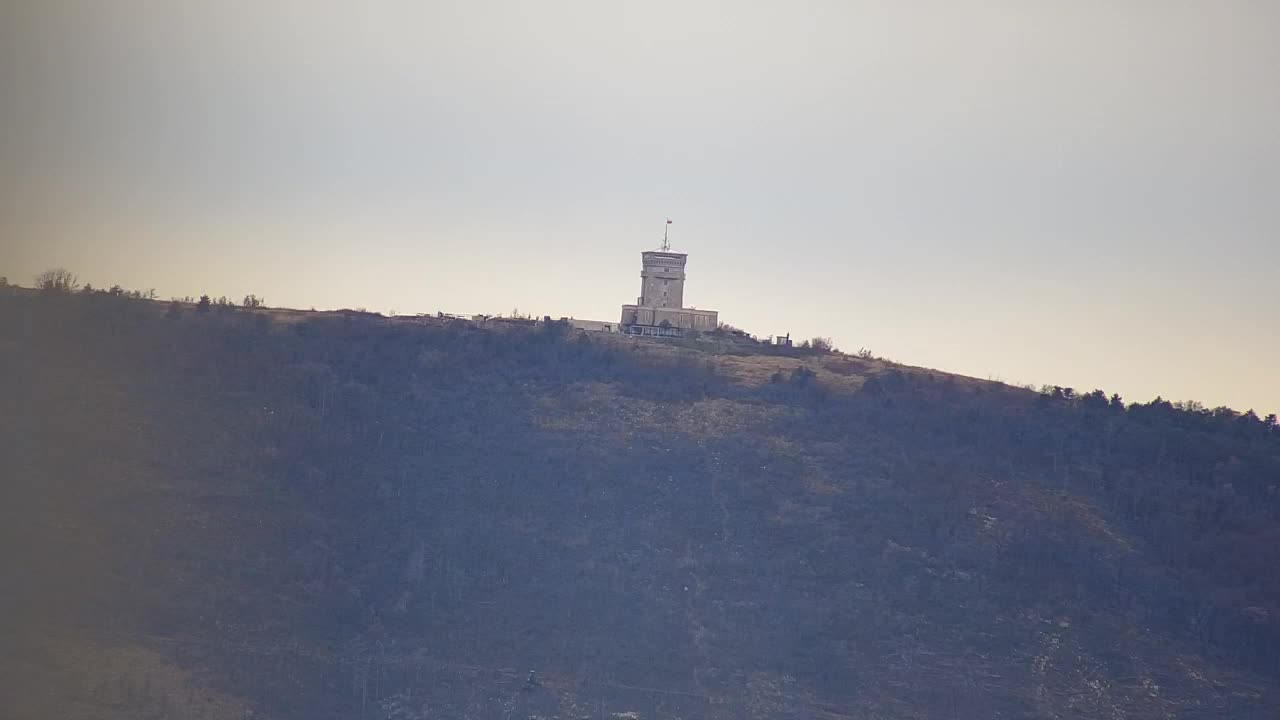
point(662, 279)
point(660, 308)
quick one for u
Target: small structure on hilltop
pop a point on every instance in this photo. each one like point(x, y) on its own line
point(659, 310)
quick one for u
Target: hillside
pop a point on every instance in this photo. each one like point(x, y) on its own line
point(326, 515)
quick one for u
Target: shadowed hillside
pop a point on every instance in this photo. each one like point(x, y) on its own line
point(310, 515)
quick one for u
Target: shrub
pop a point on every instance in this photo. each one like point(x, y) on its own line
point(822, 344)
point(802, 374)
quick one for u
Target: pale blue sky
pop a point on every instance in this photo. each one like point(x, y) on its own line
point(1080, 193)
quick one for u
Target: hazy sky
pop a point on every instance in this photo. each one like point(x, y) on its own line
point(1077, 192)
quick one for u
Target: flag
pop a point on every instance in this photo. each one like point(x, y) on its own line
point(668, 221)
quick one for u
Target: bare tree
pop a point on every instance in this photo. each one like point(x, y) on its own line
point(57, 280)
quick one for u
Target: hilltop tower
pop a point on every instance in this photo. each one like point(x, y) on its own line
point(662, 279)
point(660, 308)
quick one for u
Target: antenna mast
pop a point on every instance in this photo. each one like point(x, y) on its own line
point(666, 245)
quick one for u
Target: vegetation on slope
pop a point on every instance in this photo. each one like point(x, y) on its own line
point(347, 516)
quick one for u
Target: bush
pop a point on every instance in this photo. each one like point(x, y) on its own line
point(802, 374)
point(822, 344)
